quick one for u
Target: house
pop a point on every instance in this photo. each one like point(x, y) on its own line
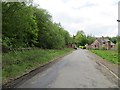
point(70, 45)
point(102, 43)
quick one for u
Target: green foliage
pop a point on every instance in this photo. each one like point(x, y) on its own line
point(26, 26)
point(103, 47)
point(19, 25)
point(80, 38)
point(109, 55)
point(90, 39)
point(17, 63)
point(51, 35)
point(113, 39)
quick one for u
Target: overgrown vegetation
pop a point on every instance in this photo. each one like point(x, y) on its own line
point(27, 26)
point(81, 39)
point(109, 55)
point(24, 25)
point(19, 62)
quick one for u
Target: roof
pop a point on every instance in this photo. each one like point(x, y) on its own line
point(102, 40)
point(112, 43)
point(106, 40)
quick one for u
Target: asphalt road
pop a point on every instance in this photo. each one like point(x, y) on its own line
point(75, 70)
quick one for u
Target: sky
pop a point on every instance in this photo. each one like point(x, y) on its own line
point(94, 17)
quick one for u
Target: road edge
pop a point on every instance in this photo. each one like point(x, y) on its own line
point(106, 66)
point(13, 83)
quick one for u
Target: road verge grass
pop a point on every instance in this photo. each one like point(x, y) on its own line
point(110, 55)
point(15, 64)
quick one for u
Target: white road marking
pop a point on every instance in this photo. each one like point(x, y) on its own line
point(110, 71)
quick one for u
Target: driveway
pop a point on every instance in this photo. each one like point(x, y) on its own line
point(76, 70)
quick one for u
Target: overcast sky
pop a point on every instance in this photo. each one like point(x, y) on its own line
point(96, 17)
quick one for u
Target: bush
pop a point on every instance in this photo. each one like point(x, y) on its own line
point(103, 48)
point(96, 49)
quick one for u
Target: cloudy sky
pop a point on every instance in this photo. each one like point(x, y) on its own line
point(96, 17)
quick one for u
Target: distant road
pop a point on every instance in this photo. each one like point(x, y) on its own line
point(75, 70)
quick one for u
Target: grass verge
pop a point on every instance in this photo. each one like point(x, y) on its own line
point(109, 55)
point(19, 62)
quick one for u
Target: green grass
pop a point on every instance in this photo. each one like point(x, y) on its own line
point(17, 63)
point(109, 55)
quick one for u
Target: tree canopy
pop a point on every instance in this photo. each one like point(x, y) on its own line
point(80, 38)
point(25, 25)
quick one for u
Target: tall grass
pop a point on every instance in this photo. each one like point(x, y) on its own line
point(109, 55)
point(19, 62)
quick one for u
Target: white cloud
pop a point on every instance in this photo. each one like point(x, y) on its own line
point(96, 17)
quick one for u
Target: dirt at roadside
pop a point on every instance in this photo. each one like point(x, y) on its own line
point(111, 66)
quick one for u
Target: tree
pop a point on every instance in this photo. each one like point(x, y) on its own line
point(25, 25)
point(19, 25)
point(114, 39)
point(80, 38)
point(90, 39)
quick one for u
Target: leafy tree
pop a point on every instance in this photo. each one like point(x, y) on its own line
point(51, 35)
point(19, 25)
point(80, 38)
point(90, 39)
point(114, 39)
point(25, 25)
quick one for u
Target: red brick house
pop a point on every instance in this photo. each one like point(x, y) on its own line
point(70, 45)
point(102, 43)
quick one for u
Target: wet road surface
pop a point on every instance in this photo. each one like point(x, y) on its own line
point(75, 70)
